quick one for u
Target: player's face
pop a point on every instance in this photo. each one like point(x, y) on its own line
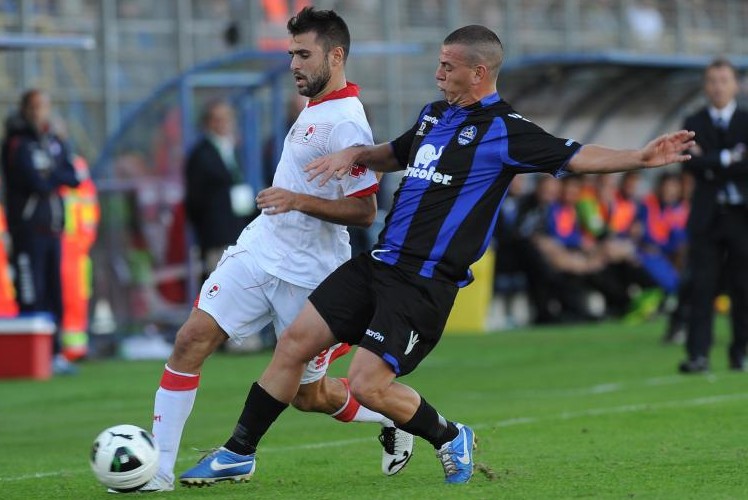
point(309, 64)
point(721, 86)
point(455, 74)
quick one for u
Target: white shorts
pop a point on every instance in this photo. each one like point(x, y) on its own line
point(243, 299)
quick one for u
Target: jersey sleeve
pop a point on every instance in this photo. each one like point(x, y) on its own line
point(401, 145)
point(532, 149)
point(360, 181)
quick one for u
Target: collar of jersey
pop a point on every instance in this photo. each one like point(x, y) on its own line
point(486, 101)
point(350, 90)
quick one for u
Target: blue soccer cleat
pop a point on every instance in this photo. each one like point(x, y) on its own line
point(220, 465)
point(457, 456)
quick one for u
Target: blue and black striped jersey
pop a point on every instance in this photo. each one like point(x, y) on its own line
point(460, 161)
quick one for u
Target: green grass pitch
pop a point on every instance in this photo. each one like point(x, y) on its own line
point(594, 411)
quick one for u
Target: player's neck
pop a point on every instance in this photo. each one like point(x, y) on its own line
point(475, 96)
point(336, 83)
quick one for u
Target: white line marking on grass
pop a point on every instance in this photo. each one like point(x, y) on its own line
point(669, 380)
point(511, 422)
point(632, 408)
point(604, 388)
point(41, 475)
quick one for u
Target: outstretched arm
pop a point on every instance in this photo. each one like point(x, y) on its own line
point(380, 158)
point(349, 211)
point(666, 149)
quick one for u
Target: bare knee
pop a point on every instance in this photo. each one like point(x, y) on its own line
point(196, 340)
point(292, 348)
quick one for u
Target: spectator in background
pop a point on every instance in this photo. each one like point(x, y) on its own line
point(82, 214)
point(532, 216)
point(571, 260)
point(218, 202)
point(718, 221)
point(660, 235)
point(511, 269)
point(35, 164)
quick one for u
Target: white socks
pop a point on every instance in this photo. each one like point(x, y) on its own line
point(173, 404)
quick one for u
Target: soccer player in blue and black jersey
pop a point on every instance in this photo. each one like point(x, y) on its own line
point(459, 157)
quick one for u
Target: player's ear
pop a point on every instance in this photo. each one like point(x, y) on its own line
point(479, 73)
point(337, 56)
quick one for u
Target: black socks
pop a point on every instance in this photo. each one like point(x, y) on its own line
point(428, 424)
point(260, 411)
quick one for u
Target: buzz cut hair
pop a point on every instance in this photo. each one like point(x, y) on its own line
point(485, 46)
point(330, 28)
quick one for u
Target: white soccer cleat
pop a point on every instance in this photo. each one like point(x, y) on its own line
point(155, 485)
point(397, 449)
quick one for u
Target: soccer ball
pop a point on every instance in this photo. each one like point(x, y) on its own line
point(124, 457)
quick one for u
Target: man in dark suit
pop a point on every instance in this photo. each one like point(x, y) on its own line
point(718, 221)
point(217, 201)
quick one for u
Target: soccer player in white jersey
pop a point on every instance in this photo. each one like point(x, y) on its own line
point(281, 257)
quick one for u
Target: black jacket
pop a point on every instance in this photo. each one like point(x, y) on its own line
point(34, 165)
point(707, 169)
point(208, 197)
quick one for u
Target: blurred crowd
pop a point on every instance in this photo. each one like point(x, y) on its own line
point(583, 248)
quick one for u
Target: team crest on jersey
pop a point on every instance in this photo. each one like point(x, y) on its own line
point(309, 132)
point(467, 134)
point(213, 291)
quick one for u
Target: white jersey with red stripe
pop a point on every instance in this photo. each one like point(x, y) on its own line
point(296, 247)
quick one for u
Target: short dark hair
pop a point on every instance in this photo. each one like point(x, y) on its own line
point(485, 44)
point(329, 27)
point(722, 62)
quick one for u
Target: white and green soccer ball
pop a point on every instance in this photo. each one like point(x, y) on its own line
point(124, 457)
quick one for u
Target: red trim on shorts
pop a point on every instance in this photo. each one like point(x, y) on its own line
point(348, 412)
point(177, 382)
point(350, 90)
point(197, 301)
point(365, 192)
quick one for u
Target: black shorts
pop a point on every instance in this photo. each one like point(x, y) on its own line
point(396, 315)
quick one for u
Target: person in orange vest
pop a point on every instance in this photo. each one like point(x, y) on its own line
point(82, 215)
point(661, 238)
point(8, 304)
point(573, 259)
